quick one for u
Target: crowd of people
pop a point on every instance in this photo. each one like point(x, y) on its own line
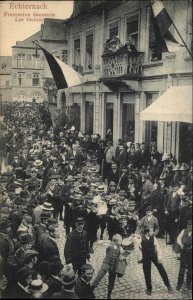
point(133, 194)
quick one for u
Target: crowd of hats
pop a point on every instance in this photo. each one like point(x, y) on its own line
point(24, 186)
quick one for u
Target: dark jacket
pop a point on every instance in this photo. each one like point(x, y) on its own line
point(65, 295)
point(83, 289)
point(47, 247)
point(76, 248)
point(17, 292)
point(113, 176)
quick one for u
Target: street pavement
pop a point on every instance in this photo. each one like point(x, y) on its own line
point(132, 284)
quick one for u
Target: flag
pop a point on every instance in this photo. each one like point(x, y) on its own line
point(64, 76)
point(165, 23)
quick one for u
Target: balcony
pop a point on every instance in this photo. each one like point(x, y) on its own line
point(122, 65)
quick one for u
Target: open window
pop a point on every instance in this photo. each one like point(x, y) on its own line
point(89, 52)
point(133, 30)
point(77, 60)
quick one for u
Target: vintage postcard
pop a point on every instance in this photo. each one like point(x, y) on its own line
point(96, 149)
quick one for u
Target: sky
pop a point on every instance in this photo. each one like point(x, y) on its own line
point(13, 28)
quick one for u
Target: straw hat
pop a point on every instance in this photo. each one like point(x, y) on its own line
point(47, 206)
point(37, 285)
point(38, 163)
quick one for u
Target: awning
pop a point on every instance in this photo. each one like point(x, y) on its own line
point(175, 104)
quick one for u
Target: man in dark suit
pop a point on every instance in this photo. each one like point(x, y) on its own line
point(55, 169)
point(145, 156)
point(76, 250)
point(83, 288)
point(172, 204)
point(71, 168)
point(113, 174)
point(47, 246)
point(121, 157)
point(16, 163)
point(77, 155)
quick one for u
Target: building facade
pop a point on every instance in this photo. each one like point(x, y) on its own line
point(5, 78)
point(119, 86)
point(31, 76)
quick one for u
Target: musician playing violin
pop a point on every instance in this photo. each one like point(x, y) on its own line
point(54, 194)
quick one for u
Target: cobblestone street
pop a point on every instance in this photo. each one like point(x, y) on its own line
point(132, 285)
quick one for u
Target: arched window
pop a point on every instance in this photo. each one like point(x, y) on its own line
point(35, 79)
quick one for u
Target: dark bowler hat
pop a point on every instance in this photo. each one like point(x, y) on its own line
point(29, 254)
point(45, 214)
point(72, 158)
point(80, 220)
point(23, 194)
point(149, 208)
point(26, 238)
point(19, 201)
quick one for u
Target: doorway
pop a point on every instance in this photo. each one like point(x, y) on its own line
point(109, 116)
point(89, 111)
point(185, 142)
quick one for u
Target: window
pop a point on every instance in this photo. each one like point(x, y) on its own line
point(133, 29)
point(89, 52)
point(114, 31)
point(29, 79)
point(64, 56)
point(35, 79)
point(20, 79)
point(35, 61)
point(20, 60)
point(29, 57)
point(77, 52)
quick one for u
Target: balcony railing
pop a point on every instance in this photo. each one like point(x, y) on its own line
point(122, 64)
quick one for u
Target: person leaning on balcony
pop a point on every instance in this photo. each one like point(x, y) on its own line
point(130, 47)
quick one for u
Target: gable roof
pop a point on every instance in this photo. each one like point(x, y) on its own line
point(54, 30)
point(29, 41)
